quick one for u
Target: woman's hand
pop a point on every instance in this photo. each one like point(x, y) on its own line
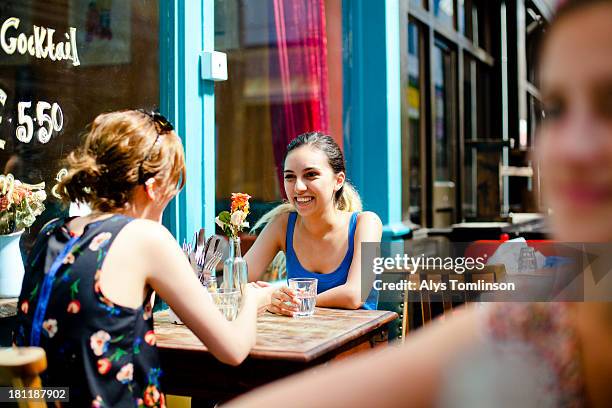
point(284, 301)
point(262, 291)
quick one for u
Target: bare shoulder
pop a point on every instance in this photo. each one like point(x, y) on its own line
point(369, 218)
point(147, 232)
point(369, 227)
point(277, 228)
point(278, 225)
point(281, 221)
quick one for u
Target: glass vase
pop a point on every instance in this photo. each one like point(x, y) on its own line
point(235, 268)
point(11, 265)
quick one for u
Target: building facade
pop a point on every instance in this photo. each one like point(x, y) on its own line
point(434, 102)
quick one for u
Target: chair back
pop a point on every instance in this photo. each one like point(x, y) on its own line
point(20, 368)
point(421, 306)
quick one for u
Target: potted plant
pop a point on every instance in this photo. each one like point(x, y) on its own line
point(20, 204)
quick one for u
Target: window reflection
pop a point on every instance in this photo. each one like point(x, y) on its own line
point(444, 186)
point(443, 106)
point(470, 134)
point(412, 168)
point(461, 23)
point(285, 78)
point(444, 11)
point(475, 24)
point(418, 3)
point(117, 44)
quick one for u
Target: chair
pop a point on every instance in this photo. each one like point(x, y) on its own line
point(277, 270)
point(418, 305)
point(20, 368)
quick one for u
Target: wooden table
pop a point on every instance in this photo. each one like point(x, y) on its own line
point(284, 346)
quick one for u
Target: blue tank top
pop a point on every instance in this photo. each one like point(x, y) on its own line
point(330, 280)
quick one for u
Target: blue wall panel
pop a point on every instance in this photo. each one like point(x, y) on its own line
point(372, 116)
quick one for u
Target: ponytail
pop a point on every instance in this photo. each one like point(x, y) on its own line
point(348, 200)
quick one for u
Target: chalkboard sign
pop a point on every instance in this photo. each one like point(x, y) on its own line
point(62, 62)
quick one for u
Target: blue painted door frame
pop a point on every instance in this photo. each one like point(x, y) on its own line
point(372, 116)
point(186, 29)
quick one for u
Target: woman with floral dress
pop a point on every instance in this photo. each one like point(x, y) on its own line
point(86, 297)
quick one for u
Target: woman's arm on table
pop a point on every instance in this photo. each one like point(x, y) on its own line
point(409, 375)
point(173, 278)
point(348, 295)
point(266, 246)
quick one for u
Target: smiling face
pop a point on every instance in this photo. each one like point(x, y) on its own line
point(310, 182)
point(574, 145)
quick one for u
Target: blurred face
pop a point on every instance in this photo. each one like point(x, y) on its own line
point(310, 182)
point(574, 145)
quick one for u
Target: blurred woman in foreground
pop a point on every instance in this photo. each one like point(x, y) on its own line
point(527, 355)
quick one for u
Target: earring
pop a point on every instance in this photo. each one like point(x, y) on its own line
point(149, 188)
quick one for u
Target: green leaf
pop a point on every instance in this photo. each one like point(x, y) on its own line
point(224, 217)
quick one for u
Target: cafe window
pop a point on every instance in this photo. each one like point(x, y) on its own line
point(470, 133)
point(523, 195)
point(284, 78)
point(461, 18)
point(444, 10)
point(419, 3)
point(411, 140)
point(63, 63)
point(450, 149)
point(482, 152)
point(444, 135)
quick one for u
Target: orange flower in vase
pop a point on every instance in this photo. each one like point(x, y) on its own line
point(232, 222)
point(235, 269)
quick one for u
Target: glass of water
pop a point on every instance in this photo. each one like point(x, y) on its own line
point(306, 291)
point(227, 301)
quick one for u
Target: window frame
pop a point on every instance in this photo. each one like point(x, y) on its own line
point(433, 31)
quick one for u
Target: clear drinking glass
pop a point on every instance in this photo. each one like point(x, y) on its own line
point(306, 291)
point(527, 262)
point(210, 284)
point(227, 301)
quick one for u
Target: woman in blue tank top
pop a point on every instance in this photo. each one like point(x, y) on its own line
point(320, 228)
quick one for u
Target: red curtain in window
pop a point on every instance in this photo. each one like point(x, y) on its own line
point(298, 73)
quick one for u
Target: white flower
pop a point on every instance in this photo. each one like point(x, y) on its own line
point(245, 224)
point(238, 217)
point(50, 326)
point(126, 373)
point(99, 342)
point(40, 195)
point(218, 222)
point(100, 240)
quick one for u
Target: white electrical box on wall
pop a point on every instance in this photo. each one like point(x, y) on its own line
point(214, 65)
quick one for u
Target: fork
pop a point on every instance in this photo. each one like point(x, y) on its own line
point(206, 268)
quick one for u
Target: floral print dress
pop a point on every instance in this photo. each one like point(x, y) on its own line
point(104, 352)
point(547, 329)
